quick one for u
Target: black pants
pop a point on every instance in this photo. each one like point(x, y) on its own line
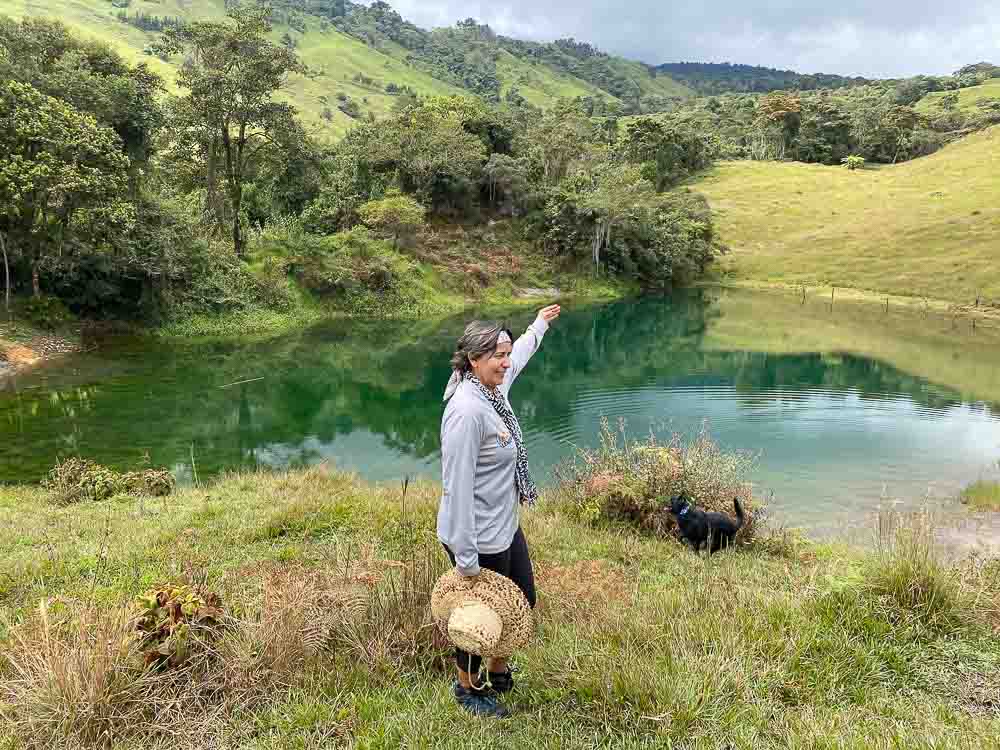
point(514, 563)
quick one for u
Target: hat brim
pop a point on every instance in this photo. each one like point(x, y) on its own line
point(495, 591)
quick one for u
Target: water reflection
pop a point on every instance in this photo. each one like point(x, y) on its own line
point(832, 428)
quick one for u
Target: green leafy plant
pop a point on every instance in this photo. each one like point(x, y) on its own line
point(853, 162)
point(177, 623)
point(47, 312)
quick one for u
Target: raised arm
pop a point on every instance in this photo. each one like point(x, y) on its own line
point(462, 435)
point(527, 344)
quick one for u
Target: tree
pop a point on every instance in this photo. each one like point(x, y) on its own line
point(394, 215)
point(949, 102)
point(779, 116)
point(64, 176)
point(232, 74)
point(667, 150)
point(508, 174)
point(619, 189)
point(87, 75)
point(558, 139)
point(435, 156)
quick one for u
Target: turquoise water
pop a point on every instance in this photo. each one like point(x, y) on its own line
point(836, 433)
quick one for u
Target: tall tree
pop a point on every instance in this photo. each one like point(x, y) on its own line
point(232, 72)
point(89, 76)
point(619, 190)
point(64, 176)
point(558, 139)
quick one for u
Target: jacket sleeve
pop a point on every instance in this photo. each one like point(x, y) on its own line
point(459, 455)
point(523, 349)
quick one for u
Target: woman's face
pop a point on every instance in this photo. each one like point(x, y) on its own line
point(490, 368)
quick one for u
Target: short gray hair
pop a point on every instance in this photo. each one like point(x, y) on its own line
point(480, 337)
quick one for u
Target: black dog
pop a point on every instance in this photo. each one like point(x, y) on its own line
point(699, 528)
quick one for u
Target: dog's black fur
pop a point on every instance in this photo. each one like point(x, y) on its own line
point(698, 528)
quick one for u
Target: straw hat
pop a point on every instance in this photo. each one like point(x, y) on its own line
point(489, 618)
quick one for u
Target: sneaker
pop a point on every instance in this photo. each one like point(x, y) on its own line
point(479, 703)
point(501, 682)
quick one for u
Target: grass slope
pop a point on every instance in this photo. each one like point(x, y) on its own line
point(539, 84)
point(650, 83)
point(929, 227)
point(325, 581)
point(334, 56)
point(968, 98)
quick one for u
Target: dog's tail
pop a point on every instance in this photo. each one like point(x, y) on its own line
point(739, 513)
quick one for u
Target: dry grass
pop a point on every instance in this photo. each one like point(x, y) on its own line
point(910, 572)
point(81, 681)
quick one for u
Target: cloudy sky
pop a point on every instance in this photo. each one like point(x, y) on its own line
point(875, 38)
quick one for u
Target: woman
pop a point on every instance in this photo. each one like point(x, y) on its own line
point(485, 477)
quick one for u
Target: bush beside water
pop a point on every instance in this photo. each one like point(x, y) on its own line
point(633, 481)
point(76, 480)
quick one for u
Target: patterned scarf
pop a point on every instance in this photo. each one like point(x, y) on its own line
point(526, 489)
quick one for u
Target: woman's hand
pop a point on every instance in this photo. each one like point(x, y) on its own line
point(550, 313)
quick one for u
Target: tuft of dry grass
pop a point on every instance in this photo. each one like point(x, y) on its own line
point(910, 572)
point(81, 681)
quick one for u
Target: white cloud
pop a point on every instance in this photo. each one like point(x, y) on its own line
point(888, 38)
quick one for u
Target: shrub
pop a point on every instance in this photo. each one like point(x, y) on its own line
point(47, 312)
point(347, 263)
point(77, 479)
point(633, 482)
point(396, 215)
point(220, 283)
point(853, 162)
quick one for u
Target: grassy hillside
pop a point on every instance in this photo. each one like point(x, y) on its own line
point(649, 83)
point(335, 57)
point(968, 97)
point(339, 60)
point(324, 586)
point(929, 227)
point(538, 84)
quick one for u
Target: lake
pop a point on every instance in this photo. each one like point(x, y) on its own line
point(847, 406)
